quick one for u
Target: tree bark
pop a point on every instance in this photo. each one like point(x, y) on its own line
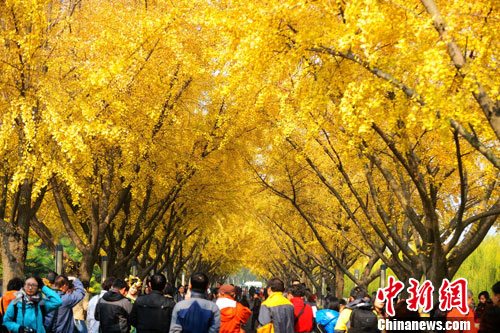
point(89, 259)
point(13, 251)
point(339, 282)
point(14, 234)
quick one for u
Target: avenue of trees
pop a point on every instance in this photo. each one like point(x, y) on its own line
point(296, 138)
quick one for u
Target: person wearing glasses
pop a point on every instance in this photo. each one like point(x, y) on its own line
point(24, 314)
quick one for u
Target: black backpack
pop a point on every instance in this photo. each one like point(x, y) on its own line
point(363, 320)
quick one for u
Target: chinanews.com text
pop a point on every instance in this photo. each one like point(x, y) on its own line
point(423, 325)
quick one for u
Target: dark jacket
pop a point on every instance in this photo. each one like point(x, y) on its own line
point(152, 313)
point(490, 319)
point(113, 312)
point(480, 309)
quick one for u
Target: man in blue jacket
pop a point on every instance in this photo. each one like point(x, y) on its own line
point(24, 313)
point(197, 314)
point(61, 321)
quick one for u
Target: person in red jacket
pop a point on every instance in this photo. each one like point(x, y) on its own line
point(302, 312)
point(232, 314)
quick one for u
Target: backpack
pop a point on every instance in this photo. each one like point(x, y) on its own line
point(363, 320)
point(39, 307)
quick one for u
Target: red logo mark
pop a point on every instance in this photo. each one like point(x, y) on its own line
point(420, 295)
point(389, 293)
point(453, 295)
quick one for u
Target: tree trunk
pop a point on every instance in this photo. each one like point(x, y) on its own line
point(15, 233)
point(339, 282)
point(437, 272)
point(13, 251)
point(87, 266)
point(121, 271)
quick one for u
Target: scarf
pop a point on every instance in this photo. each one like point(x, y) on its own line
point(27, 299)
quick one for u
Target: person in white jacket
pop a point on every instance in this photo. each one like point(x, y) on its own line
point(92, 323)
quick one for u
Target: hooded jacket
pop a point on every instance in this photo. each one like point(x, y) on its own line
point(232, 314)
point(31, 316)
point(113, 312)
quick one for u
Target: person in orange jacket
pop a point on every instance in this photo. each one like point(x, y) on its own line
point(13, 287)
point(456, 315)
point(233, 315)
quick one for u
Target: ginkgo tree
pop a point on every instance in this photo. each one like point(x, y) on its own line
point(337, 246)
point(381, 134)
point(30, 33)
point(153, 119)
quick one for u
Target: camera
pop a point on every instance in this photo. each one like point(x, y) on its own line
point(27, 330)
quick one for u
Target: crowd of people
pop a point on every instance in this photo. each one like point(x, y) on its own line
point(60, 304)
